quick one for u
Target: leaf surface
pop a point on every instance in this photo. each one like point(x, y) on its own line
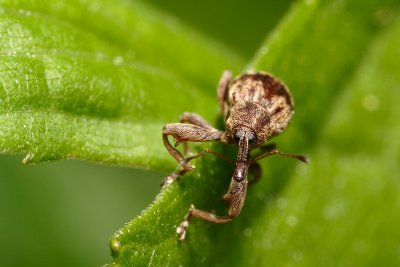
point(99, 88)
point(339, 60)
point(97, 80)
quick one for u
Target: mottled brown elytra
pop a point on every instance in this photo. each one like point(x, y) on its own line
point(255, 107)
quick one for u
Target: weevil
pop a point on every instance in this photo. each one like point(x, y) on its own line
point(255, 106)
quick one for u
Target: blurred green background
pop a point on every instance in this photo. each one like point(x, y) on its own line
point(63, 213)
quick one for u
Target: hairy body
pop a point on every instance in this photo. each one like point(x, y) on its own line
point(255, 107)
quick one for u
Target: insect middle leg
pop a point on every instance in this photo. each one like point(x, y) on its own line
point(266, 151)
point(198, 131)
point(193, 118)
point(270, 149)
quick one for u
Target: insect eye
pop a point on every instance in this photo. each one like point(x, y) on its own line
point(251, 138)
point(237, 136)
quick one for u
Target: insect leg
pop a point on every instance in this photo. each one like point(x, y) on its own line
point(270, 150)
point(193, 212)
point(235, 198)
point(174, 175)
point(267, 147)
point(192, 118)
point(183, 132)
point(256, 172)
point(209, 151)
point(223, 87)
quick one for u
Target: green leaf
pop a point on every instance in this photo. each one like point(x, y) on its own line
point(97, 80)
point(340, 60)
point(99, 88)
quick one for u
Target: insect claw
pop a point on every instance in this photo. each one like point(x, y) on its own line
point(168, 180)
point(181, 230)
point(304, 159)
point(185, 166)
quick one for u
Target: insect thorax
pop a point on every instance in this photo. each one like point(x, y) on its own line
point(260, 102)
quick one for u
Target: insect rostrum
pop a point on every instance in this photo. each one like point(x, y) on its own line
point(255, 107)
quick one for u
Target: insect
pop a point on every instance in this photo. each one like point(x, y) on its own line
point(255, 106)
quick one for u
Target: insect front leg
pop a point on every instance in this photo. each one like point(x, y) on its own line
point(183, 132)
point(195, 119)
point(235, 198)
point(205, 215)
